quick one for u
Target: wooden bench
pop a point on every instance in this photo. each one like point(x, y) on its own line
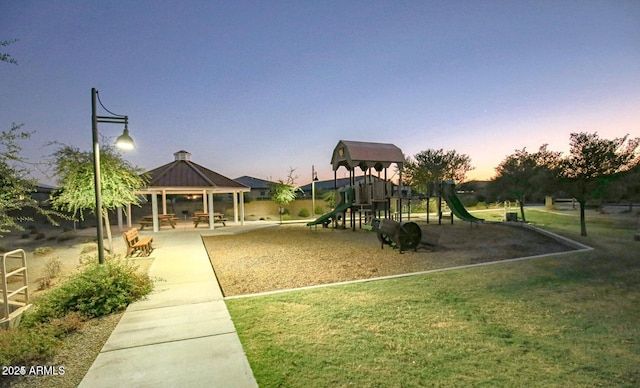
point(137, 244)
point(201, 217)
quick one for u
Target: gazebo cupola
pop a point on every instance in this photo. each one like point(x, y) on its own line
point(182, 155)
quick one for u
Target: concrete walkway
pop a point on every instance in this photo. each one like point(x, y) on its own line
point(182, 334)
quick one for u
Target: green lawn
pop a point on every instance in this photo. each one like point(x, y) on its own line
point(573, 319)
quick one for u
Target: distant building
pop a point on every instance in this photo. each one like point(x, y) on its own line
point(322, 187)
point(260, 188)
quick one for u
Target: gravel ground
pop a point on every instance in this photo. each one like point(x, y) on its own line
point(81, 348)
point(290, 256)
point(78, 352)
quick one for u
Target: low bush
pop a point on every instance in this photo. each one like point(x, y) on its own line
point(304, 212)
point(42, 251)
point(27, 345)
point(52, 267)
point(67, 235)
point(98, 290)
point(319, 210)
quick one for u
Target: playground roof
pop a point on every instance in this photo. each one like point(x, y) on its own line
point(365, 155)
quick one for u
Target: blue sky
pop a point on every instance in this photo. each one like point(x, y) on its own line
point(256, 87)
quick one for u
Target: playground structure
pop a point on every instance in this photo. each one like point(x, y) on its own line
point(371, 198)
point(445, 191)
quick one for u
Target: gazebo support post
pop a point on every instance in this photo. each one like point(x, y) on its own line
point(154, 209)
point(235, 206)
point(241, 208)
point(164, 201)
point(211, 220)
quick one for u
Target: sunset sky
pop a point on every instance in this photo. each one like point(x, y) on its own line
point(256, 87)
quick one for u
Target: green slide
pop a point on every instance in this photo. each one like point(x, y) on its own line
point(326, 218)
point(455, 204)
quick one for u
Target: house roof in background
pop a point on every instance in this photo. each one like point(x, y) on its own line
point(341, 182)
point(254, 183)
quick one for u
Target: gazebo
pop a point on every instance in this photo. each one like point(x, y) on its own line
point(184, 177)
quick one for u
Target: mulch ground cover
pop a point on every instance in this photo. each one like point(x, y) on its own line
point(291, 256)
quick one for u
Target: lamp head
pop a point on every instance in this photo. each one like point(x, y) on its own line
point(125, 141)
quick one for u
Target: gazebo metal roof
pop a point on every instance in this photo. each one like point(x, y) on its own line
point(184, 176)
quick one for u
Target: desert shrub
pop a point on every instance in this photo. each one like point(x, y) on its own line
point(98, 290)
point(40, 236)
point(24, 347)
point(28, 345)
point(304, 212)
point(67, 235)
point(52, 267)
point(89, 248)
point(41, 251)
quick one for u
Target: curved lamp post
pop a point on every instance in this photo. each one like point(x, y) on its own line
point(123, 141)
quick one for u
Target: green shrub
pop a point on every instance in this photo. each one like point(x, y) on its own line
point(89, 248)
point(27, 345)
point(24, 347)
point(304, 212)
point(319, 210)
point(41, 251)
point(67, 235)
point(40, 236)
point(98, 290)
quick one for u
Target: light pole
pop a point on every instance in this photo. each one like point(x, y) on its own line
point(314, 178)
point(123, 141)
